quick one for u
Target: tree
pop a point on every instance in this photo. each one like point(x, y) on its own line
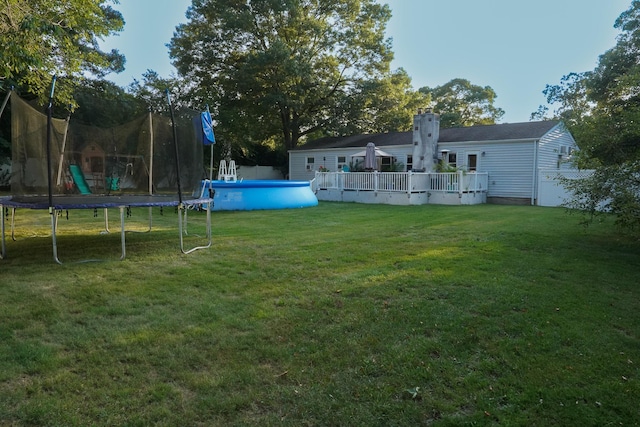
point(105, 104)
point(152, 91)
point(276, 70)
point(571, 98)
point(461, 103)
point(378, 106)
point(40, 38)
point(602, 108)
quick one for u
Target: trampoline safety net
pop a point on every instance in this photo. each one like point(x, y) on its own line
point(137, 157)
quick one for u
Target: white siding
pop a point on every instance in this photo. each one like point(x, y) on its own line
point(329, 159)
point(297, 166)
point(508, 163)
point(551, 148)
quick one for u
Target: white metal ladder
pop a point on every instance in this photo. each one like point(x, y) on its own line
point(227, 174)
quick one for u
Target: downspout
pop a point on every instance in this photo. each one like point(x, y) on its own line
point(534, 180)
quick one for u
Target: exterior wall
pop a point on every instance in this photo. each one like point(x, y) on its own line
point(508, 163)
point(329, 159)
point(404, 199)
point(551, 154)
point(373, 197)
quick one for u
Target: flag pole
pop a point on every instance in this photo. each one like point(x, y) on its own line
point(211, 160)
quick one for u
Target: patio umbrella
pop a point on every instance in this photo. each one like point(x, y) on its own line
point(370, 162)
point(379, 153)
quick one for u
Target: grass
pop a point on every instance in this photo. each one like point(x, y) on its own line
point(343, 314)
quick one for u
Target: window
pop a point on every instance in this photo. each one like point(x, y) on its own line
point(310, 164)
point(342, 161)
point(452, 159)
point(472, 162)
point(385, 163)
point(409, 162)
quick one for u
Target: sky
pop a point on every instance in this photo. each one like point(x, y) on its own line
point(516, 47)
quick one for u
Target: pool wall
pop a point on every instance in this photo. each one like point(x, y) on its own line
point(261, 194)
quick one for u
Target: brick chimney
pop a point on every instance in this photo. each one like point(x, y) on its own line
point(426, 129)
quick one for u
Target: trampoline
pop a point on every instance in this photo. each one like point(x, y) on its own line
point(59, 166)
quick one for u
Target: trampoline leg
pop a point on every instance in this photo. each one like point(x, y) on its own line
point(141, 231)
point(122, 239)
point(13, 224)
point(3, 248)
point(180, 226)
point(106, 221)
point(54, 226)
point(186, 223)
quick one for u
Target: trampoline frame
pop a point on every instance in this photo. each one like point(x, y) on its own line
point(55, 204)
point(64, 203)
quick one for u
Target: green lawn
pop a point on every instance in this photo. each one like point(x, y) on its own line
point(342, 314)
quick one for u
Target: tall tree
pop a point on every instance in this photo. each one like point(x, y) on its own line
point(40, 38)
point(570, 97)
point(277, 69)
point(461, 103)
point(602, 108)
point(152, 91)
point(103, 103)
point(379, 105)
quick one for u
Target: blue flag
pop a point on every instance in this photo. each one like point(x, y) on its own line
point(207, 128)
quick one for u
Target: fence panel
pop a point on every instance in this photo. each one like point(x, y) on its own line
point(447, 182)
point(551, 192)
point(402, 181)
point(393, 181)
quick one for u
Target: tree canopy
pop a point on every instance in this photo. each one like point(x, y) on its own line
point(602, 109)
point(279, 70)
point(40, 38)
point(378, 106)
point(461, 103)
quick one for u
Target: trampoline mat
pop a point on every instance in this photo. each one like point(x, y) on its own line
point(61, 202)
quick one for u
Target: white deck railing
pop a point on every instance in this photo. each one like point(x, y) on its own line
point(406, 182)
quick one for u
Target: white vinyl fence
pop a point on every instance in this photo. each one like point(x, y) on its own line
point(406, 182)
point(551, 192)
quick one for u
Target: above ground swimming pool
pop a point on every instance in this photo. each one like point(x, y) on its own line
point(261, 194)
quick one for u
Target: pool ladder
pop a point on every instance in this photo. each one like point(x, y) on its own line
point(227, 174)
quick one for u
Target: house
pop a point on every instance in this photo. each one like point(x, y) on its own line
point(512, 155)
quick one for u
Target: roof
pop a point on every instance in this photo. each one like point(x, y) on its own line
point(499, 132)
point(379, 139)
